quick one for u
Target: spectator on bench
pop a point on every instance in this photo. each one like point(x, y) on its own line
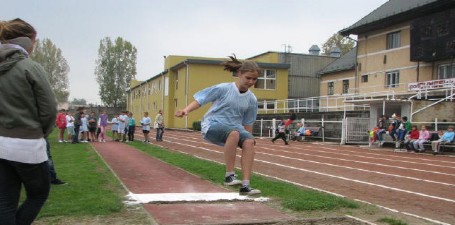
point(424, 136)
point(447, 137)
point(300, 132)
point(413, 136)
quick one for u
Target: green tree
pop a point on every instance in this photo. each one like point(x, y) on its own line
point(51, 58)
point(343, 43)
point(115, 68)
point(77, 101)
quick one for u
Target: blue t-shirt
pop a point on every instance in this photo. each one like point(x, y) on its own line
point(229, 106)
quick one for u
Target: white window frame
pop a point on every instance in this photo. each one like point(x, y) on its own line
point(345, 90)
point(330, 88)
point(444, 68)
point(392, 79)
point(393, 40)
point(264, 79)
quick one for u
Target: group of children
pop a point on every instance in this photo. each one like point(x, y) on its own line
point(91, 128)
point(403, 133)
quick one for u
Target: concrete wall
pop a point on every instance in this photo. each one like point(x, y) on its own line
point(442, 111)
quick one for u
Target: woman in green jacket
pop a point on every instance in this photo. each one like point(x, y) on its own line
point(27, 113)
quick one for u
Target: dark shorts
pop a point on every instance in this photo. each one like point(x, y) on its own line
point(145, 131)
point(92, 129)
point(218, 134)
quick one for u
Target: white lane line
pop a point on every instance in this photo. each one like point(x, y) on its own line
point(358, 169)
point(375, 158)
point(385, 159)
point(310, 187)
point(383, 165)
point(358, 219)
point(334, 176)
point(382, 155)
point(324, 191)
point(405, 213)
point(362, 162)
point(427, 219)
point(191, 197)
point(360, 182)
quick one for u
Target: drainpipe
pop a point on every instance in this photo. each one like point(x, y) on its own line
point(356, 65)
point(186, 89)
point(162, 88)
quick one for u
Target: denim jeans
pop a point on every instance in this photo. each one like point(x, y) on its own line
point(35, 178)
point(159, 134)
point(218, 134)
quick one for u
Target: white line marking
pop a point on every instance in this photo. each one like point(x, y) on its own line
point(358, 219)
point(363, 170)
point(405, 213)
point(192, 197)
point(360, 182)
point(362, 162)
point(334, 176)
point(427, 219)
point(385, 159)
point(314, 188)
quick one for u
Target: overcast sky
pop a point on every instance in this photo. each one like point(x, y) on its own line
point(157, 28)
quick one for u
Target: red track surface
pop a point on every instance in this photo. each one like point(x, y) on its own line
point(419, 184)
point(142, 174)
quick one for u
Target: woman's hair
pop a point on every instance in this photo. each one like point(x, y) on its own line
point(16, 28)
point(234, 65)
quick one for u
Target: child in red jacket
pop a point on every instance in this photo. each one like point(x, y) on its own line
point(61, 124)
point(413, 136)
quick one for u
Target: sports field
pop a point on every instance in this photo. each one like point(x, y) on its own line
point(418, 185)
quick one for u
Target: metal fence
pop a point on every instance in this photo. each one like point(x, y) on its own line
point(351, 130)
point(329, 130)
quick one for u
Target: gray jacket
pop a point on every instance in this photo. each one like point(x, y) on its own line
point(27, 104)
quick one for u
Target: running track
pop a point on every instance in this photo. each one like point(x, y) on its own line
point(418, 185)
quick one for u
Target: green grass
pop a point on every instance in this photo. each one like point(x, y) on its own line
point(392, 221)
point(91, 190)
point(290, 196)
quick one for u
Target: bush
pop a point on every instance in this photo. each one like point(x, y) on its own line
point(197, 125)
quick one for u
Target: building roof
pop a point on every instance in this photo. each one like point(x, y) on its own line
point(218, 62)
point(396, 11)
point(345, 62)
point(289, 53)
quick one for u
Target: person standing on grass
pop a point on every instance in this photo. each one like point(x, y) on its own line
point(92, 125)
point(61, 124)
point(145, 123)
point(103, 124)
point(114, 127)
point(159, 125)
point(28, 113)
point(121, 126)
point(80, 112)
point(70, 126)
point(131, 126)
point(52, 171)
point(84, 128)
point(229, 121)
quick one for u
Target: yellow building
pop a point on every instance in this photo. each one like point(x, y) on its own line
point(404, 54)
point(183, 76)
